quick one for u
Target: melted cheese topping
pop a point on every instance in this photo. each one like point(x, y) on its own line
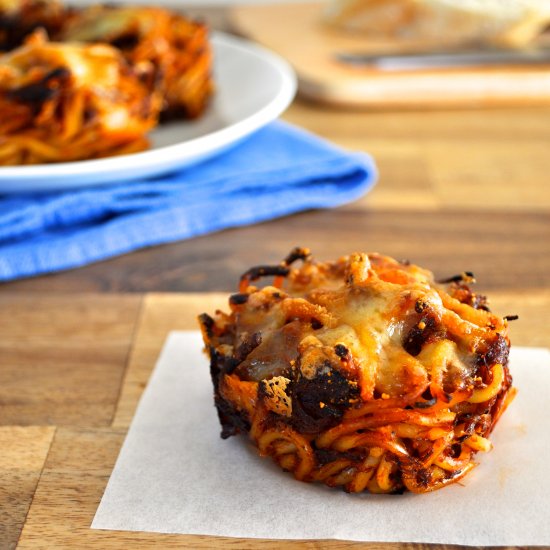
point(84, 101)
point(92, 66)
point(371, 306)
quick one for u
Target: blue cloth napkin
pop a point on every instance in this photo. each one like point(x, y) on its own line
point(277, 171)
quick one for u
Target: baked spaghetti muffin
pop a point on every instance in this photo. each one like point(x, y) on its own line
point(362, 373)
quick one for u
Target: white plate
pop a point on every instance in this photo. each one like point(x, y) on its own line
point(253, 87)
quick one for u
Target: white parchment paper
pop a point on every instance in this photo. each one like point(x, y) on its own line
point(175, 474)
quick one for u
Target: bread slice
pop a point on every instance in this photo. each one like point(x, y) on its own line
point(512, 23)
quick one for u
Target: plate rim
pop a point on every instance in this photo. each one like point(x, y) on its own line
point(187, 152)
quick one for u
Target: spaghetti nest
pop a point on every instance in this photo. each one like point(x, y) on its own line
point(109, 75)
point(63, 102)
point(172, 53)
point(362, 373)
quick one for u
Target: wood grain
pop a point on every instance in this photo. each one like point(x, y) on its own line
point(63, 357)
point(22, 456)
point(503, 250)
point(71, 486)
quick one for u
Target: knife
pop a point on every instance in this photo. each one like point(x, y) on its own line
point(416, 61)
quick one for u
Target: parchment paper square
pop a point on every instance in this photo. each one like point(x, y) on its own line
point(176, 475)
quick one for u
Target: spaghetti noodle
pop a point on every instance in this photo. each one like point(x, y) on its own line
point(362, 373)
point(64, 102)
point(171, 52)
point(108, 76)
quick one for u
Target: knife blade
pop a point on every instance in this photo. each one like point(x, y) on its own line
point(416, 61)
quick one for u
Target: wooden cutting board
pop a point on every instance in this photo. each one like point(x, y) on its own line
point(296, 32)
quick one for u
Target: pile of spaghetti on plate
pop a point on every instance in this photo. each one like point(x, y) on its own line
point(89, 83)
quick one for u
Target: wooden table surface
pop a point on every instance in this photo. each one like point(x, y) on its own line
point(458, 190)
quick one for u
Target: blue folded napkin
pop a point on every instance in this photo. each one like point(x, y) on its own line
point(277, 171)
